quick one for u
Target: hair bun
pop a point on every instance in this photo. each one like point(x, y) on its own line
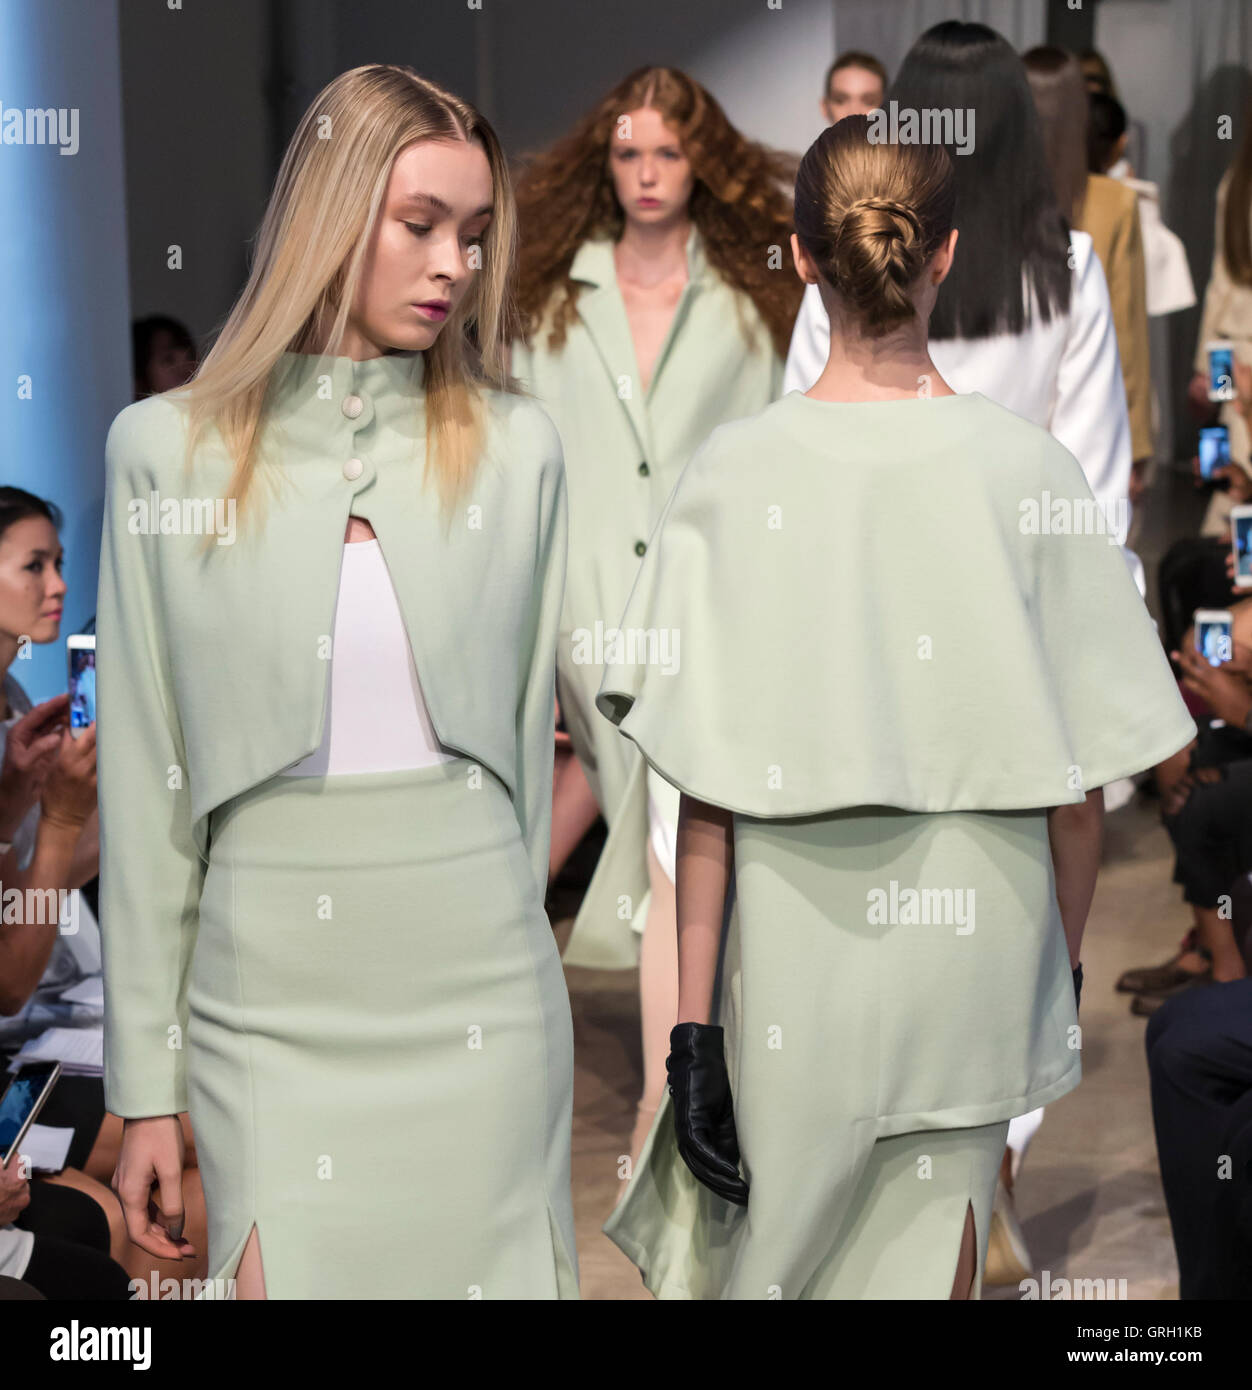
point(895, 220)
point(871, 216)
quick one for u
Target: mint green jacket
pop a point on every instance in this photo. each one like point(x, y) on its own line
point(624, 450)
point(213, 668)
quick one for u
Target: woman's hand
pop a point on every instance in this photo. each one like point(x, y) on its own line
point(29, 754)
point(152, 1155)
point(1238, 483)
point(69, 795)
point(1225, 692)
point(1243, 391)
point(704, 1117)
point(1198, 396)
point(14, 1193)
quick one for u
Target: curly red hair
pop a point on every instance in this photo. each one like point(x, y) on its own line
point(565, 197)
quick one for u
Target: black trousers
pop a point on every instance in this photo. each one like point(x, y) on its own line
point(1200, 1064)
point(1212, 833)
point(70, 1257)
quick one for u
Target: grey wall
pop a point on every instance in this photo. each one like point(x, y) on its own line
point(199, 156)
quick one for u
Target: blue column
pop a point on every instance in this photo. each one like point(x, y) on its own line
point(64, 288)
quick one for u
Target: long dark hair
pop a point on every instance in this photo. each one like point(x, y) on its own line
point(16, 505)
point(1014, 239)
point(1237, 231)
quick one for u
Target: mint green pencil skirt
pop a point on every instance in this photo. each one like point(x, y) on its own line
point(380, 1050)
point(895, 987)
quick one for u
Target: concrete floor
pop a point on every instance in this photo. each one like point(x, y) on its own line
point(1089, 1195)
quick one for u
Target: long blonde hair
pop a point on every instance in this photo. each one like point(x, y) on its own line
point(307, 265)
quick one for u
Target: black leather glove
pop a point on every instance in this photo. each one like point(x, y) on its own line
point(704, 1119)
point(1078, 984)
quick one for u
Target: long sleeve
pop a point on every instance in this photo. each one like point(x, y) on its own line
point(1128, 293)
point(810, 343)
point(150, 871)
point(1089, 416)
point(536, 735)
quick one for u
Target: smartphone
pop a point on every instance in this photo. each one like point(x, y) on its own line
point(1241, 544)
point(1221, 370)
point(1212, 635)
point(81, 652)
point(23, 1099)
point(1214, 449)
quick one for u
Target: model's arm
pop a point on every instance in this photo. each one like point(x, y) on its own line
point(1076, 834)
point(536, 712)
point(150, 871)
point(705, 859)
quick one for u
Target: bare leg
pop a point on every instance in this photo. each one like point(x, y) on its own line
point(1217, 936)
point(658, 994)
point(137, 1263)
point(574, 809)
point(250, 1276)
point(967, 1260)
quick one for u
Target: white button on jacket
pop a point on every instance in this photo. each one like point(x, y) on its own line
point(211, 666)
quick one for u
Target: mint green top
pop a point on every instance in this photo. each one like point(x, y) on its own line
point(213, 671)
point(873, 606)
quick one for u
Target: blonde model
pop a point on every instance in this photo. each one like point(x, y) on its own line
point(325, 742)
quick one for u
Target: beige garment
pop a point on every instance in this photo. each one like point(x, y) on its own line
point(1110, 216)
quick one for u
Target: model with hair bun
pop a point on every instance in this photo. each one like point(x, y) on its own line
point(889, 730)
point(326, 745)
point(657, 304)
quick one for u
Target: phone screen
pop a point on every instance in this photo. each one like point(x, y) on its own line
point(1222, 372)
point(82, 687)
point(20, 1101)
point(1212, 640)
point(1214, 449)
point(1243, 546)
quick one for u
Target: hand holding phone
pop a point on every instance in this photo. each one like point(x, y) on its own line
point(81, 653)
point(1213, 634)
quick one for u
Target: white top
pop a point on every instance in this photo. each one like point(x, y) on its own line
point(1064, 375)
point(376, 715)
point(1165, 268)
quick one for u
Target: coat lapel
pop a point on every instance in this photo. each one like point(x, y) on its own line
point(603, 312)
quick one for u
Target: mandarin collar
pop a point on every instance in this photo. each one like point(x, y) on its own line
point(298, 374)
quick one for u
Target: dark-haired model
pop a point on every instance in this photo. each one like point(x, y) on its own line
point(658, 304)
point(892, 799)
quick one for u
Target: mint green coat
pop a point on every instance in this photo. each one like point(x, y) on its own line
point(204, 663)
point(624, 448)
point(887, 653)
